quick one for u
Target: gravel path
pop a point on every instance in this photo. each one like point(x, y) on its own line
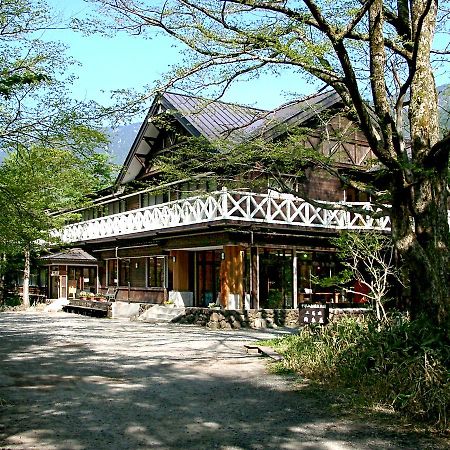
point(72, 382)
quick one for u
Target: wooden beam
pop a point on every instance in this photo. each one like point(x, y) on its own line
point(149, 140)
point(141, 158)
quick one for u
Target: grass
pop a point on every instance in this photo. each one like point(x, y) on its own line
point(401, 365)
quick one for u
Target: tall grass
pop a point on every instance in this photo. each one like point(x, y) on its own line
point(402, 363)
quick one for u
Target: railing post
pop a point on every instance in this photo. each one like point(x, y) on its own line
point(224, 202)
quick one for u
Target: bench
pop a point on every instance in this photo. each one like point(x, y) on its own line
point(88, 308)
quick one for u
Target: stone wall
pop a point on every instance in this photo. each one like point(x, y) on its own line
point(234, 319)
point(222, 319)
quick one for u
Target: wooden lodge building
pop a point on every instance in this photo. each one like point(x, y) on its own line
point(197, 243)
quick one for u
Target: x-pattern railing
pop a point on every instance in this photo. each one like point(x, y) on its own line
point(227, 205)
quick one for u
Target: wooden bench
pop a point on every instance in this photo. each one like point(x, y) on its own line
point(88, 308)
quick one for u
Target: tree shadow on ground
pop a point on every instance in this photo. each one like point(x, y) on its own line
point(82, 383)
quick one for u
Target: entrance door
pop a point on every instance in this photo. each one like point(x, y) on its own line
point(275, 279)
point(58, 282)
point(208, 277)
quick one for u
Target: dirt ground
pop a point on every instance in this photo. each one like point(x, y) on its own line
point(72, 382)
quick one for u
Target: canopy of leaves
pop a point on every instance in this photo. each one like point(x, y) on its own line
point(51, 142)
point(34, 183)
point(34, 84)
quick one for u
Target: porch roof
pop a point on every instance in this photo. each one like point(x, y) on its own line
point(69, 256)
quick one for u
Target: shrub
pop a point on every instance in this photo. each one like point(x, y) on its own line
point(401, 363)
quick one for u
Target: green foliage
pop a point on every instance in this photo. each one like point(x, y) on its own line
point(240, 165)
point(402, 363)
point(12, 301)
point(34, 84)
point(36, 183)
point(50, 140)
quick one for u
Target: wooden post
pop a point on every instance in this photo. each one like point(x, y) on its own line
point(232, 277)
point(254, 265)
point(294, 278)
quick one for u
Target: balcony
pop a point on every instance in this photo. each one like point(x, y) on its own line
point(226, 205)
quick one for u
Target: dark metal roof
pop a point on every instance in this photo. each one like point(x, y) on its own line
point(297, 112)
point(212, 119)
point(71, 255)
point(220, 120)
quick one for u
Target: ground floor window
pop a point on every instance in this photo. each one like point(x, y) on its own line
point(156, 271)
point(137, 271)
point(314, 269)
point(124, 271)
point(82, 279)
point(112, 277)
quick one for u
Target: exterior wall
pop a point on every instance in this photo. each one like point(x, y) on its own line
point(180, 259)
point(322, 186)
point(142, 295)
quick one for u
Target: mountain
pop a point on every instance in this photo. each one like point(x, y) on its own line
point(121, 139)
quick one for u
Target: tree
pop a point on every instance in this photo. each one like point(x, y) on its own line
point(34, 185)
point(52, 141)
point(369, 260)
point(34, 83)
point(377, 55)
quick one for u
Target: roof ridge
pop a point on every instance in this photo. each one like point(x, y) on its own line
point(306, 98)
point(216, 101)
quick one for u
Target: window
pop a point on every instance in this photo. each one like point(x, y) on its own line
point(124, 272)
point(112, 272)
point(156, 273)
point(137, 272)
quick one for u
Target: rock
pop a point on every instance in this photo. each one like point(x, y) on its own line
point(225, 325)
point(260, 323)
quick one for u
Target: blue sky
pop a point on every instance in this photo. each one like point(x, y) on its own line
point(127, 61)
point(133, 62)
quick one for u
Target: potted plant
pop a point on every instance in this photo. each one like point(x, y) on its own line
point(213, 305)
point(100, 297)
point(84, 295)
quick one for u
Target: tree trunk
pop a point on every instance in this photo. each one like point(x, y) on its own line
point(2, 279)
point(419, 193)
point(26, 279)
point(421, 234)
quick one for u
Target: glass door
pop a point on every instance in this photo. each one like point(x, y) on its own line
point(208, 277)
point(275, 279)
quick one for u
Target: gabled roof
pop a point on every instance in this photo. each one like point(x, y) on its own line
point(219, 120)
point(209, 118)
point(71, 256)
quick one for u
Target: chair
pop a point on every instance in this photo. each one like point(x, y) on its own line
point(72, 292)
point(111, 294)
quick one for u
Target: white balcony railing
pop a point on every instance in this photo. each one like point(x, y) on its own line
point(224, 205)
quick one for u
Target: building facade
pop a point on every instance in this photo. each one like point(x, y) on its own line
point(195, 242)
